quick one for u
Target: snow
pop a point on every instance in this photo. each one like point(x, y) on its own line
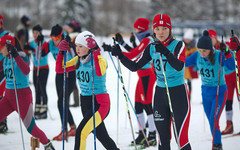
point(199, 132)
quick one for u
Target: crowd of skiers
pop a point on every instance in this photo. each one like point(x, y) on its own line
point(158, 58)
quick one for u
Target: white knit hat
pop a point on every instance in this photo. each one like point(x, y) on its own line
point(188, 34)
point(81, 38)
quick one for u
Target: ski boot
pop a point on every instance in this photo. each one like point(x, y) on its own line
point(217, 147)
point(49, 146)
point(59, 137)
point(72, 130)
point(151, 139)
point(140, 139)
point(42, 114)
point(229, 128)
point(37, 109)
point(3, 126)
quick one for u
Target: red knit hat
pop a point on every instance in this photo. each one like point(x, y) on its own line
point(212, 33)
point(162, 20)
point(1, 20)
point(141, 24)
point(5, 38)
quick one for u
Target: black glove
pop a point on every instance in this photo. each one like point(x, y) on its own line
point(161, 48)
point(106, 47)
point(224, 49)
point(40, 38)
point(119, 38)
point(12, 50)
point(28, 47)
point(116, 51)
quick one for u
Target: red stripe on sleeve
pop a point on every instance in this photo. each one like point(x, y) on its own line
point(134, 52)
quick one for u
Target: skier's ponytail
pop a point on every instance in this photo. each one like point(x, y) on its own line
point(211, 57)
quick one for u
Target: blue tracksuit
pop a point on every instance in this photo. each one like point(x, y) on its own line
point(209, 76)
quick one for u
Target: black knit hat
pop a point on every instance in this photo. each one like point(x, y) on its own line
point(56, 30)
point(24, 19)
point(205, 42)
point(37, 28)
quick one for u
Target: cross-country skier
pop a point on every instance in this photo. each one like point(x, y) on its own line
point(208, 61)
point(3, 124)
point(40, 73)
point(21, 70)
point(234, 45)
point(52, 46)
point(146, 81)
point(173, 55)
point(231, 82)
point(85, 43)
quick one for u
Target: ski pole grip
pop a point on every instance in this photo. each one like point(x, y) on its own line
point(114, 40)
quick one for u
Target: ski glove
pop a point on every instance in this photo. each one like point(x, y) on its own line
point(28, 47)
point(224, 49)
point(160, 48)
point(64, 46)
point(40, 38)
point(12, 50)
point(106, 47)
point(116, 51)
point(119, 38)
point(234, 44)
point(92, 44)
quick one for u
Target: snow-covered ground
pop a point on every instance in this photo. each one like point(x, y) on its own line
point(199, 133)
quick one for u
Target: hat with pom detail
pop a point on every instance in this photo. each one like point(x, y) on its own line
point(56, 30)
point(205, 42)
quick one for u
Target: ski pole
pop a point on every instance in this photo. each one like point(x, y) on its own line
point(117, 106)
point(68, 39)
point(38, 81)
point(93, 105)
point(119, 72)
point(170, 104)
point(15, 88)
point(215, 114)
point(128, 98)
point(123, 86)
point(64, 96)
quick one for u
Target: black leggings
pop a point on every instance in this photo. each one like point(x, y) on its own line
point(40, 83)
point(162, 116)
point(70, 82)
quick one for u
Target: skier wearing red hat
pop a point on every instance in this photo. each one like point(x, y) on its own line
point(146, 81)
point(175, 101)
point(3, 124)
point(18, 80)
